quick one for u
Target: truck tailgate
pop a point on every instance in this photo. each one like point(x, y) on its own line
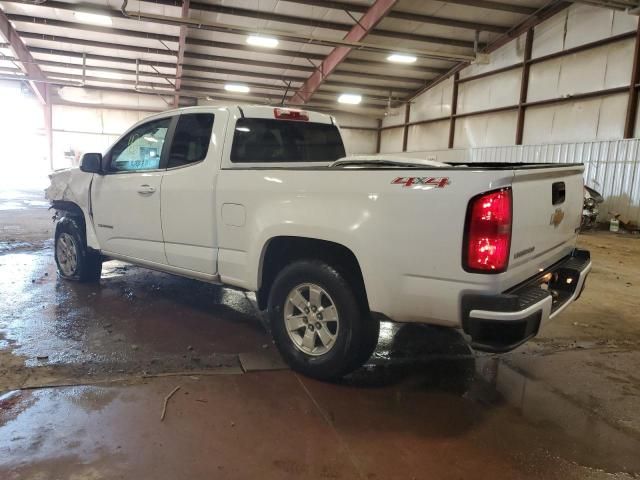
point(547, 204)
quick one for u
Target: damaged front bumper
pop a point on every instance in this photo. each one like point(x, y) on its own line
point(499, 323)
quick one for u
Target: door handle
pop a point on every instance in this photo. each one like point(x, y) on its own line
point(146, 190)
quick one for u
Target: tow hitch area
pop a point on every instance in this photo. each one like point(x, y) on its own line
point(499, 323)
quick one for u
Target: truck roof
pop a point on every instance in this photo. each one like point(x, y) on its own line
point(249, 111)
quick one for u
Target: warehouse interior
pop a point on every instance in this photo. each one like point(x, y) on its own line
point(150, 375)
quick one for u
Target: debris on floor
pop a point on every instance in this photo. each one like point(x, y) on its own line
point(166, 401)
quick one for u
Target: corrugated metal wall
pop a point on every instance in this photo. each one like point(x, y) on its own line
point(611, 167)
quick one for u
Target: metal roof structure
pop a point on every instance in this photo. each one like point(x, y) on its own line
point(183, 50)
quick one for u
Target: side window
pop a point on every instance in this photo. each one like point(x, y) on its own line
point(191, 139)
point(141, 149)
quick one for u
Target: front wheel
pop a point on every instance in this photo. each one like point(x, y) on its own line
point(74, 260)
point(319, 324)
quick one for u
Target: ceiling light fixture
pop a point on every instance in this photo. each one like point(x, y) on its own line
point(232, 87)
point(350, 98)
point(79, 95)
point(93, 18)
point(106, 74)
point(260, 41)
point(401, 58)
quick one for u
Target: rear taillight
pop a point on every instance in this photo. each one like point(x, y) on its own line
point(488, 232)
point(289, 114)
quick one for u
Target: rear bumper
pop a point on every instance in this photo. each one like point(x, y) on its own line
point(499, 323)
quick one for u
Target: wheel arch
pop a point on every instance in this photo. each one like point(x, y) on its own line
point(68, 211)
point(281, 250)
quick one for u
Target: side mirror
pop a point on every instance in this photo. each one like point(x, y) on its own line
point(91, 163)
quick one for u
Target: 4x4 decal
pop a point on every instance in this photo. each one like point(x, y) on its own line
point(436, 182)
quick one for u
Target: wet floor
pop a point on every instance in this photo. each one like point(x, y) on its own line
point(85, 371)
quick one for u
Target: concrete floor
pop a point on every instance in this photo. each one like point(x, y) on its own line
point(85, 370)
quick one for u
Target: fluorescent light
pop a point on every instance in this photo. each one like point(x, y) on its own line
point(260, 41)
point(149, 138)
point(93, 18)
point(108, 74)
point(350, 98)
point(79, 95)
point(401, 58)
point(232, 87)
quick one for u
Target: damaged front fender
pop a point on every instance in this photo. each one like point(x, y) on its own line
point(72, 186)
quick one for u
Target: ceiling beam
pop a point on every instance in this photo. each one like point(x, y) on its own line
point(290, 36)
point(369, 86)
point(114, 70)
point(27, 62)
point(285, 78)
point(102, 58)
point(160, 89)
point(153, 64)
point(252, 63)
point(91, 28)
point(239, 12)
point(303, 68)
point(219, 58)
point(81, 6)
point(311, 56)
point(543, 13)
point(367, 22)
point(200, 56)
point(310, 22)
point(95, 43)
point(300, 37)
point(401, 15)
point(357, 88)
point(213, 44)
point(537, 17)
point(182, 44)
point(489, 5)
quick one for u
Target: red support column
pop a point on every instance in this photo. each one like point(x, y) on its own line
point(367, 22)
point(27, 62)
point(632, 103)
point(182, 41)
point(48, 123)
point(454, 110)
point(405, 131)
point(524, 85)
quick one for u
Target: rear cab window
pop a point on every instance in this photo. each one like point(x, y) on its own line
point(264, 140)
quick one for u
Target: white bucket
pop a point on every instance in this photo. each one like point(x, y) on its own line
point(614, 225)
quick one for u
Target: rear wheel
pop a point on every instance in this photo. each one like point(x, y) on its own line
point(74, 260)
point(319, 323)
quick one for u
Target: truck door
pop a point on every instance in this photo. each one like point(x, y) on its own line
point(188, 202)
point(125, 201)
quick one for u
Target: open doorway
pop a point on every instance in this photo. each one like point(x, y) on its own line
point(24, 166)
point(23, 145)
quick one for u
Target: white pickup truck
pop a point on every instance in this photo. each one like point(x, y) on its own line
point(262, 199)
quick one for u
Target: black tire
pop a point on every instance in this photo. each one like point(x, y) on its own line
point(356, 337)
point(88, 263)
